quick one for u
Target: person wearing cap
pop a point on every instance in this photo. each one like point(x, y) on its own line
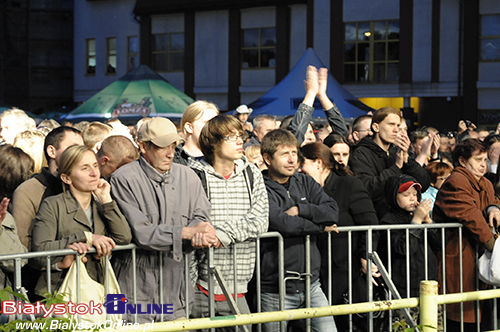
point(168, 212)
point(403, 196)
point(242, 113)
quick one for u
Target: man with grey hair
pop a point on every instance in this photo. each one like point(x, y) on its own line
point(262, 124)
point(168, 212)
point(13, 122)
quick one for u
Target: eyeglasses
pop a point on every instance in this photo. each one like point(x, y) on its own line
point(234, 138)
point(449, 135)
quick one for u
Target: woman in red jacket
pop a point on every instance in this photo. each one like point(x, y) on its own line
point(466, 197)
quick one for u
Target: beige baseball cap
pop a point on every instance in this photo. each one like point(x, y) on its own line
point(160, 131)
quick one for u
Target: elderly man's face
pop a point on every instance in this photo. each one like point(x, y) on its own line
point(267, 126)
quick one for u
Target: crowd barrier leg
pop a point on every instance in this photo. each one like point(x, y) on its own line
point(429, 305)
point(308, 279)
point(392, 288)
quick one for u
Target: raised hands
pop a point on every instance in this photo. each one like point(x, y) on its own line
point(311, 84)
point(421, 214)
point(326, 103)
point(403, 143)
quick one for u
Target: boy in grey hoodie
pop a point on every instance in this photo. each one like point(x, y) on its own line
point(236, 190)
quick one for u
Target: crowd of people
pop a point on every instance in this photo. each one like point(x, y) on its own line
point(217, 180)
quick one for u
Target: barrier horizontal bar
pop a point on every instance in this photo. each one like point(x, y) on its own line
point(59, 252)
point(469, 296)
point(273, 316)
point(400, 226)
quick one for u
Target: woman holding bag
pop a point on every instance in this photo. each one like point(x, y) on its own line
point(84, 215)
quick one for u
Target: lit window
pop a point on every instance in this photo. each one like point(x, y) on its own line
point(168, 52)
point(490, 38)
point(259, 48)
point(110, 55)
point(90, 55)
point(132, 52)
point(371, 52)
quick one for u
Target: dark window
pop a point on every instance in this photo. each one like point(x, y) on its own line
point(168, 52)
point(371, 52)
point(259, 48)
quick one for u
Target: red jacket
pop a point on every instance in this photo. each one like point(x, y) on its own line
point(465, 200)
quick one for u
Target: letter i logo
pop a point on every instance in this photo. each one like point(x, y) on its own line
point(115, 303)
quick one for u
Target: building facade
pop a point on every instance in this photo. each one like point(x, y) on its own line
point(36, 54)
point(445, 54)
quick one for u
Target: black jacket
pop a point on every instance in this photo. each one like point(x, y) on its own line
point(373, 166)
point(355, 209)
point(316, 210)
point(397, 216)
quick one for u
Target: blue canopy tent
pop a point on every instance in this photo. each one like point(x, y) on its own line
point(284, 98)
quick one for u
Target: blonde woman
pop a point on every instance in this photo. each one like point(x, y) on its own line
point(84, 215)
point(31, 142)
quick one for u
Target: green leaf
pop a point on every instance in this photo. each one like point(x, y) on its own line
point(4, 296)
point(16, 294)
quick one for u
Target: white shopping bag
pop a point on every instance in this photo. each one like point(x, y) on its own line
point(489, 265)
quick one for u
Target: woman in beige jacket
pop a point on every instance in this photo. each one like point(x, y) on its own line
point(84, 215)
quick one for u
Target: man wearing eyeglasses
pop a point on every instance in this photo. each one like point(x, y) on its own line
point(361, 127)
point(240, 211)
point(448, 141)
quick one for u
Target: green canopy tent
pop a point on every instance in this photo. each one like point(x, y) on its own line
point(138, 94)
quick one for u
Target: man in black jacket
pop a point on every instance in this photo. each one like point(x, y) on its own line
point(298, 206)
point(385, 154)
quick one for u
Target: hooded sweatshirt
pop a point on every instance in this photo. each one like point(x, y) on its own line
point(398, 216)
point(239, 215)
point(373, 166)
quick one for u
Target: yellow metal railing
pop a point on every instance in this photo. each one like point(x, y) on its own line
point(428, 302)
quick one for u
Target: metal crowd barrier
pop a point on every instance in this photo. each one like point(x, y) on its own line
point(370, 255)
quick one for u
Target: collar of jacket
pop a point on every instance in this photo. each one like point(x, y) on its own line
point(49, 181)
point(73, 207)
point(240, 166)
point(152, 173)
point(369, 143)
point(273, 183)
point(477, 185)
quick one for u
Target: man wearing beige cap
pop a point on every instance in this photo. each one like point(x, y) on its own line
point(168, 212)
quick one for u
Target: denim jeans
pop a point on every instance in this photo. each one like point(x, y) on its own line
point(270, 302)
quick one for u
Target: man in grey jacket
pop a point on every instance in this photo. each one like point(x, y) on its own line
point(166, 208)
